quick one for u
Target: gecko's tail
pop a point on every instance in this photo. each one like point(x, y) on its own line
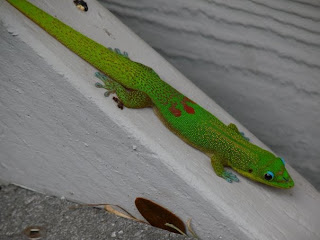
point(112, 64)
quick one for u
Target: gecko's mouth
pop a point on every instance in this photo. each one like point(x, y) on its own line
point(285, 183)
point(286, 180)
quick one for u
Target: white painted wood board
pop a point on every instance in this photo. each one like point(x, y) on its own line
point(59, 135)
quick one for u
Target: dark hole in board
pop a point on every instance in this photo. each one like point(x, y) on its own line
point(81, 5)
point(33, 232)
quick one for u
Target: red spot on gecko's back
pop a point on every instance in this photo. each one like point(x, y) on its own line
point(175, 111)
point(187, 108)
point(188, 100)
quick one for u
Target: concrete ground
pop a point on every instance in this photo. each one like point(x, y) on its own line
point(21, 208)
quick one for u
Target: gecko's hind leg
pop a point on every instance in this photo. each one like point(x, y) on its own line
point(125, 97)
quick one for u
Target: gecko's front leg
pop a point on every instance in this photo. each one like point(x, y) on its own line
point(218, 167)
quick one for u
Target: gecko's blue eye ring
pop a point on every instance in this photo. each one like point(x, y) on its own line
point(284, 163)
point(269, 176)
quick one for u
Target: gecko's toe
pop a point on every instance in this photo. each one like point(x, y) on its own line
point(118, 51)
point(230, 177)
point(98, 85)
point(244, 136)
point(101, 76)
point(107, 93)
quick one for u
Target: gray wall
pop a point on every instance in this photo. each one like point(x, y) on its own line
point(258, 59)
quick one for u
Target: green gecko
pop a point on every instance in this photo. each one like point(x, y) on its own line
point(139, 86)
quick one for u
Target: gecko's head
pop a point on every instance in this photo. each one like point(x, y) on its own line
point(270, 171)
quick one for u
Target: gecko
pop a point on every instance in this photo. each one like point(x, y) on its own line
point(139, 86)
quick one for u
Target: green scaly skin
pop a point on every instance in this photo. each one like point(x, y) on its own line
point(138, 86)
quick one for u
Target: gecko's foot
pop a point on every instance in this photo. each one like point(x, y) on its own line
point(244, 136)
point(117, 50)
point(230, 177)
point(108, 84)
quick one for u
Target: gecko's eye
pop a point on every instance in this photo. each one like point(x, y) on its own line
point(269, 176)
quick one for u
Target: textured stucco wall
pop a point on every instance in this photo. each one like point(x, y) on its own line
point(258, 59)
